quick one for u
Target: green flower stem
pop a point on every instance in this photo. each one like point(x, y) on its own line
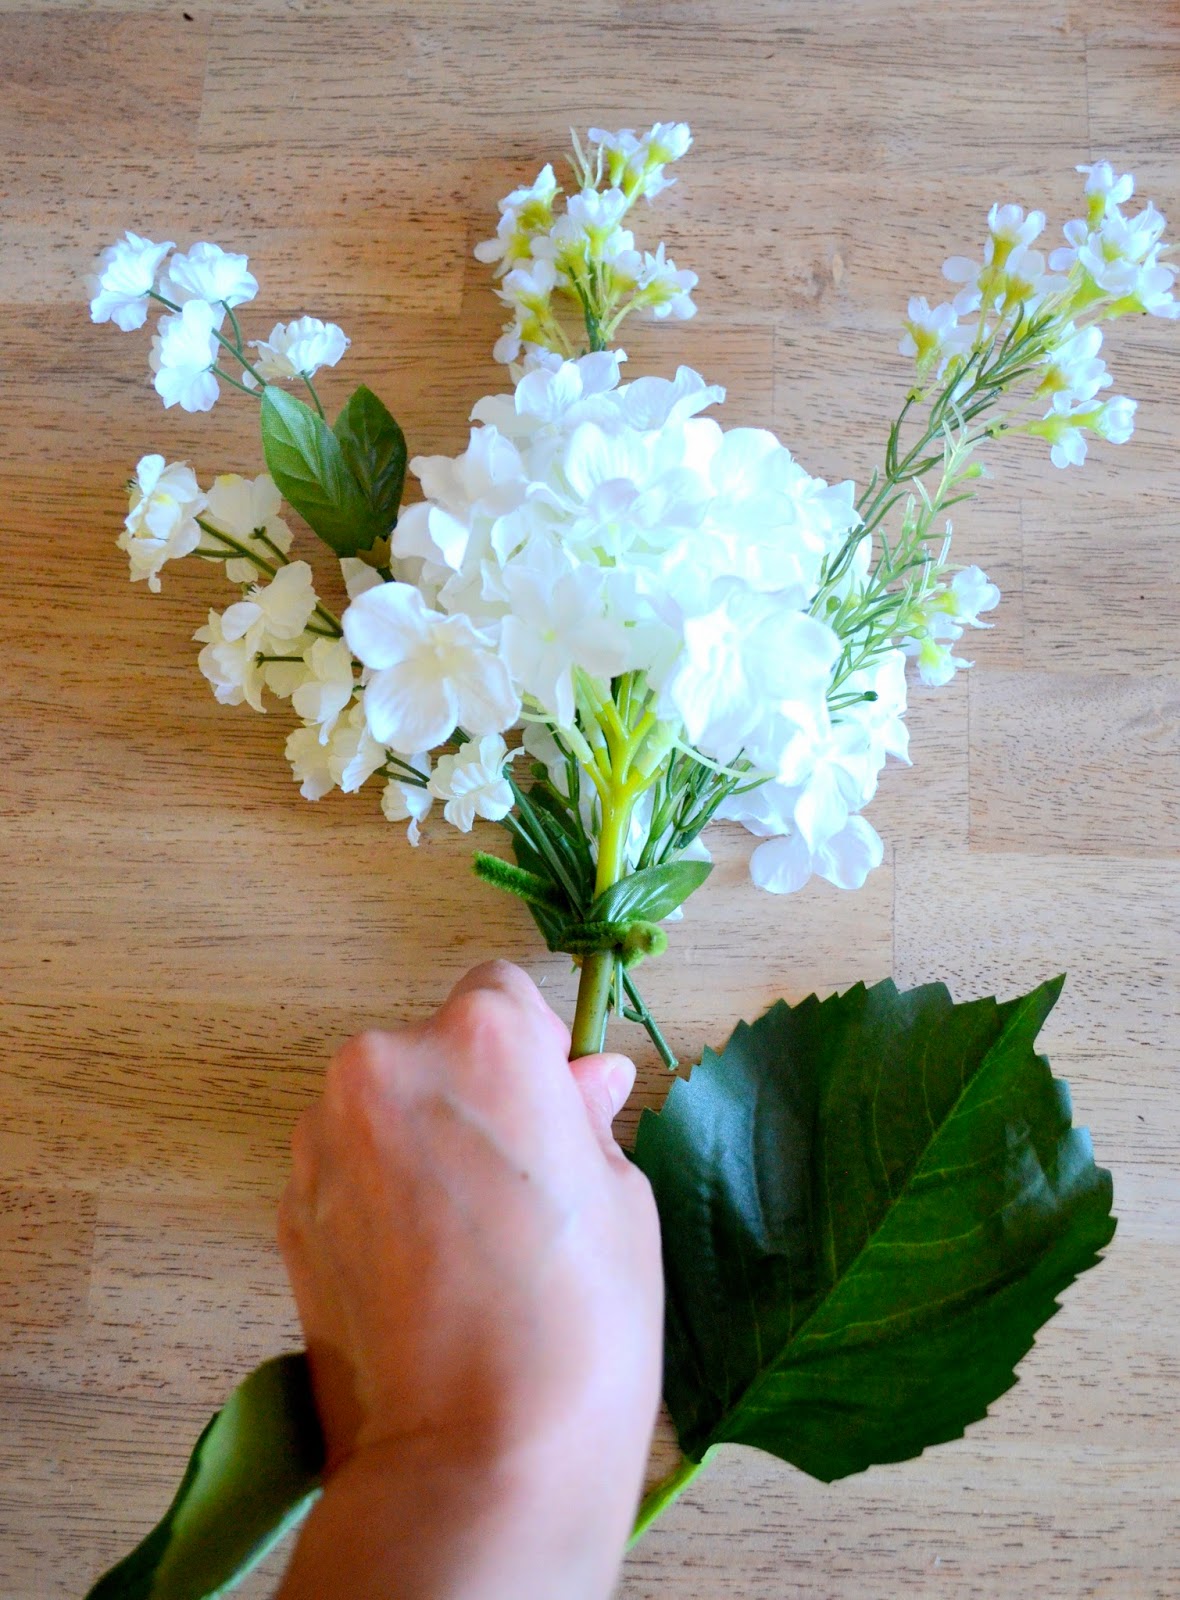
point(226, 377)
point(598, 969)
point(312, 391)
point(329, 618)
point(234, 324)
point(595, 988)
point(643, 1016)
point(238, 548)
point(662, 1496)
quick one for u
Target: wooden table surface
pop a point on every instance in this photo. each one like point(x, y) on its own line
point(184, 939)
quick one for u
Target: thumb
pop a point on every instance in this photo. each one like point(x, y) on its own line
point(604, 1082)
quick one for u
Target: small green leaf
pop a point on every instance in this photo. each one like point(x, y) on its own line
point(374, 450)
point(869, 1205)
point(306, 461)
point(253, 1474)
point(652, 894)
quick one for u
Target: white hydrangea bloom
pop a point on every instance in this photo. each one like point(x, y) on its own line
point(472, 782)
point(161, 524)
point(558, 611)
point(353, 754)
point(428, 672)
point(592, 528)
point(276, 612)
point(327, 687)
point(749, 655)
point(271, 620)
point(310, 762)
point(299, 349)
point(248, 510)
point(358, 575)
point(123, 278)
point(785, 864)
point(349, 758)
point(230, 664)
point(207, 272)
point(409, 802)
point(183, 354)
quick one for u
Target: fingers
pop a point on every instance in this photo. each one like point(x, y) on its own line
point(499, 989)
point(502, 975)
point(604, 1082)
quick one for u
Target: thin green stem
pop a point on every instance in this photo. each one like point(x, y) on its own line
point(233, 322)
point(264, 538)
point(226, 377)
point(311, 390)
point(332, 628)
point(644, 1017)
point(404, 774)
point(238, 548)
point(661, 1496)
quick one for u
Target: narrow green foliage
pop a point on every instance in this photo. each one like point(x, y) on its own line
point(253, 1474)
point(870, 614)
point(869, 1206)
point(374, 449)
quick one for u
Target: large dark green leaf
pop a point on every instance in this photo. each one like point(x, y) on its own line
point(305, 459)
point(253, 1474)
point(869, 1205)
point(374, 450)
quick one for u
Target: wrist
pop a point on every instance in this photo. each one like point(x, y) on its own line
point(430, 1524)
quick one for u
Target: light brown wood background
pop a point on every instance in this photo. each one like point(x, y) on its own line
point(184, 939)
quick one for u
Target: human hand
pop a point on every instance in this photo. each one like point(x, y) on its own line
point(477, 1269)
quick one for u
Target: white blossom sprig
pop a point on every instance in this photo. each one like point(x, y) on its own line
point(583, 256)
point(199, 292)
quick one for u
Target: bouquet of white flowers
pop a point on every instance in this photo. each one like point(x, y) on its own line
point(609, 621)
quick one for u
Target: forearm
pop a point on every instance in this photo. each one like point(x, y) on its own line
point(410, 1530)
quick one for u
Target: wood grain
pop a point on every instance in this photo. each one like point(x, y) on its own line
point(183, 940)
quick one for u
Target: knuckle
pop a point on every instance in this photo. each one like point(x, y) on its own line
point(497, 972)
point(482, 1021)
point(359, 1063)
